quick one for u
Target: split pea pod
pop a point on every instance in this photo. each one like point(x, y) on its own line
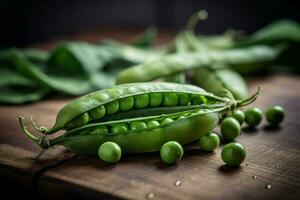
point(174, 64)
point(136, 118)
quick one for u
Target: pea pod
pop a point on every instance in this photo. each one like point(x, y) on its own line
point(216, 80)
point(138, 129)
point(174, 64)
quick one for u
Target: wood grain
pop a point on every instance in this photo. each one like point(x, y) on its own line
point(273, 157)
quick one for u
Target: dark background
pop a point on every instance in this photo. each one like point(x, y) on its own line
point(24, 22)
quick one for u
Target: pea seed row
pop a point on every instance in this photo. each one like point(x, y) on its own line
point(138, 102)
point(134, 126)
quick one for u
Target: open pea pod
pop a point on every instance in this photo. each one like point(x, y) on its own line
point(137, 117)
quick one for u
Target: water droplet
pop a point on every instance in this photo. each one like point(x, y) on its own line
point(268, 186)
point(254, 177)
point(150, 195)
point(177, 183)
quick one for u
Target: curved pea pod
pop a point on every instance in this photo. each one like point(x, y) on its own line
point(153, 114)
point(74, 111)
point(183, 131)
point(215, 80)
point(241, 59)
point(274, 33)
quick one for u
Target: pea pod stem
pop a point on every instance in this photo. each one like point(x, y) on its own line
point(42, 141)
point(250, 100)
point(195, 18)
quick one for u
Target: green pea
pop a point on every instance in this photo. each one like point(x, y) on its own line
point(112, 107)
point(141, 101)
point(119, 128)
point(184, 99)
point(253, 117)
point(275, 115)
point(79, 121)
point(209, 142)
point(233, 154)
point(126, 103)
point(167, 121)
point(239, 115)
point(171, 152)
point(156, 99)
point(230, 128)
point(152, 123)
point(110, 152)
point(138, 126)
point(170, 99)
point(196, 99)
point(103, 129)
point(97, 113)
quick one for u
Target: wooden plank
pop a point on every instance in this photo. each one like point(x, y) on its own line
point(17, 152)
point(273, 159)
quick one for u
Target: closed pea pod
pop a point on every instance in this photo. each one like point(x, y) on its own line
point(140, 129)
point(217, 78)
point(174, 64)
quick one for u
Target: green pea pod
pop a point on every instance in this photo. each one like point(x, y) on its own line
point(130, 53)
point(277, 32)
point(174, 64)
point(151, 114)
point(216, 79)
point(177, 78)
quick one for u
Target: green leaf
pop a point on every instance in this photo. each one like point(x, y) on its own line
point(17, 89)
point(77, 85)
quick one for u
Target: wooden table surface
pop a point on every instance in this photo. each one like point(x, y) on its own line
point(271, 169)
